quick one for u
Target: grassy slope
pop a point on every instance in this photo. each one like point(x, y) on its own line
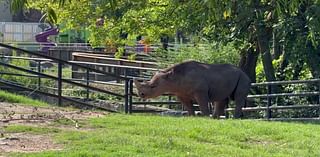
point(13, 98)
point(124, 135)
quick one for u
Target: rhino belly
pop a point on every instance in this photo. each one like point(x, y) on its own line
point(219, 92)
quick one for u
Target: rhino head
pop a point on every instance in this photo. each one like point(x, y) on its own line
point(158, 85)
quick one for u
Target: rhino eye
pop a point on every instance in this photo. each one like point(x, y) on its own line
point(153, 86)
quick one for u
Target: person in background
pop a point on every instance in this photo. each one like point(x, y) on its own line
point(142, 45)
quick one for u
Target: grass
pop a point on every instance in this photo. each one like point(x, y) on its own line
point(148, 135)
point(14, 98)
point(30, 129)
point(138, 135)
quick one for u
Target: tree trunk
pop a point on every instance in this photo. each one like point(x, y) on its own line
point(284, 63)
point(276, 46)
point(313, 60)
point(248, 62)
point(297, 69)
point(263, 39)
point(264, 34)
point(263, 47)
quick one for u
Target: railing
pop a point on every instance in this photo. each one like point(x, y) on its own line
point(131, 101)
point(269, 96)
point(59, 79)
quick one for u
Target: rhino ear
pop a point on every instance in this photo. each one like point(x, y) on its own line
point(168, 75)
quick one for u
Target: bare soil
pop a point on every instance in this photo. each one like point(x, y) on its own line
point(22, 142)
point(18, 114)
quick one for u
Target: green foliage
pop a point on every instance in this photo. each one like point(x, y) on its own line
point(17, 5)
point(239, 22)
point(119, 53)
point(20, 63)
point(132, 57)
point(206, 53)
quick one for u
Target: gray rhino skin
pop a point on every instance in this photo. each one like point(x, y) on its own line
point(193, 81)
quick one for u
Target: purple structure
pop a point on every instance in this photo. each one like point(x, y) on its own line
point(42, 38)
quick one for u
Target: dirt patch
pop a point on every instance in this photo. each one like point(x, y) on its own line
point(264, 142)
point(17, 114)
point(21, 142)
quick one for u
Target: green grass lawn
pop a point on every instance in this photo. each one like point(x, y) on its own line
point(147, 135)
point(14, 98)
point(138, 135)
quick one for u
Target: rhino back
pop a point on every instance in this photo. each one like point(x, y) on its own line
point(218, 80)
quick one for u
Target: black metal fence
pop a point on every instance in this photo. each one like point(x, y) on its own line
point(267, 102)
point(58, 77)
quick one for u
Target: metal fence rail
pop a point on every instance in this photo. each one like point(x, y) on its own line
point(268, 96)
point(130, 99)
point(59, 80)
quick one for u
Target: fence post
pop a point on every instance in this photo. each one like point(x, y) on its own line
point(87, 83)
point(130, 95)
point(59, 83)
point(226, 113)
point(126, 103)
point(170, 99)
point(319, 98)
point(268, 112)
point(39, 77)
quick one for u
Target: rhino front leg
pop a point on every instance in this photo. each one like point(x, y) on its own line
point(203, 102)
point(187, 103)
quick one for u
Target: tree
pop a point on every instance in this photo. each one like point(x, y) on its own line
point(254, 25)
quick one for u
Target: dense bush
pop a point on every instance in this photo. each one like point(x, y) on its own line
point(203, 52)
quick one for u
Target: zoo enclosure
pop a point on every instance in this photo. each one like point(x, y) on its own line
point(57, 78)
point(270, 98)
point(270, 106)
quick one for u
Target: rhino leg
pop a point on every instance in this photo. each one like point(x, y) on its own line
point(203, 102)
point(241, 96)
point(219, 107)
point(239, 104)
point(187, 103)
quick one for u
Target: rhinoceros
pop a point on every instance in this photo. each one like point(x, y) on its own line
point(192, 81)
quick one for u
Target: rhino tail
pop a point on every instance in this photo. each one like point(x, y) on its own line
point(235, 88)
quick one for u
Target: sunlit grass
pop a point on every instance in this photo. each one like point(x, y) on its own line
point(30, 129)
point(14, 98)
point(137, 135)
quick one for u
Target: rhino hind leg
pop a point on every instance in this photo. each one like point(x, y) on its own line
point(239, 104)
point(219, 107)
point(240, 96)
